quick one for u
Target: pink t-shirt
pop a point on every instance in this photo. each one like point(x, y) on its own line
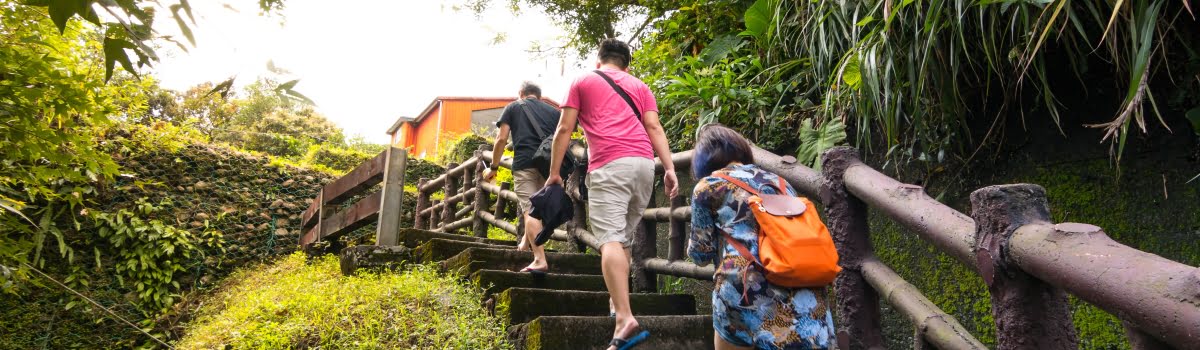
point(613, 131)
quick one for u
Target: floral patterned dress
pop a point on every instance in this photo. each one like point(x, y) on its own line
point(755, 313)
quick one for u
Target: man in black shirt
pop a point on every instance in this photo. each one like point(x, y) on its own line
point(522, 119)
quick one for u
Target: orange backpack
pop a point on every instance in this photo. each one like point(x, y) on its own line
point(794, 247)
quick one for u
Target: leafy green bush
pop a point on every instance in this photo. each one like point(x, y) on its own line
point(337, 158)
point(461, 148)
point(147, 254)
point(292, 304)
point(420, 168)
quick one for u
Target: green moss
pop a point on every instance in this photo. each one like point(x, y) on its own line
point(292, 304)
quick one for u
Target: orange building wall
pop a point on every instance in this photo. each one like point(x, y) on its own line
point(425, 137)
point(455, 119)
point(403, 137)
point(458, 114)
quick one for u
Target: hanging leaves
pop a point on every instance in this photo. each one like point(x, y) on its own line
point(814, 141)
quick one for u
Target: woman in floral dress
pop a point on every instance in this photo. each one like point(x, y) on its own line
point(748, 312)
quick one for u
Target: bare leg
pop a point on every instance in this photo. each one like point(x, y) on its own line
point(614, 262)
point(522, 244)
point(532, 227)
point(721, 344)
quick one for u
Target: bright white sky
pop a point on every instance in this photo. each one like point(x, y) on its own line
point(365, 63)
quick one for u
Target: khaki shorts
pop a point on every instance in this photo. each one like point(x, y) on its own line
point(527, 182)
point(618, 193)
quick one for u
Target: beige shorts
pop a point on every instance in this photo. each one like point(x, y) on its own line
point(618, 193)
point(527, 182)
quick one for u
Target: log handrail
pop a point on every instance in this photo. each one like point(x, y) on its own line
point(1157, 300)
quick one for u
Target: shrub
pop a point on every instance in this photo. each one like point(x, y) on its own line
point(291, 304)
point(420, 168)
point(336, 158)
point(461, 148)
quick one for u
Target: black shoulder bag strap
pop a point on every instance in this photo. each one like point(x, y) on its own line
point(533, 122)
point(621, 92)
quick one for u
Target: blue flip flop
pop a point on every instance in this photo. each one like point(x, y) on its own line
point(626, 344)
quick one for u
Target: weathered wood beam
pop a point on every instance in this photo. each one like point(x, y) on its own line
point(1029, 313)
point(949, 230)
point(387, 233)
point(679, 221)
point(802, 178)
point(681, 160)
point(859, 316)
point(935, 326)
point(503, 225)
point(420, 219)
point(310, 216)
point(681, 212)
point(1158, 296)
point(359, 214)
point(680, 268)
point(458, 225)
point(367, 174)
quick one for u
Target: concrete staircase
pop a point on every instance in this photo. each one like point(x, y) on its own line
point(564, 309)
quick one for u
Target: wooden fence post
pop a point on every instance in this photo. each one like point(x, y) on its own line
point(578, 222)
point(480, 204)
point(1029, 313)
point(677, 235)
point(644, 246)
point(387, 232)
point(857, 303)
point(450, 188)
point(419, 221)
point(501, 203)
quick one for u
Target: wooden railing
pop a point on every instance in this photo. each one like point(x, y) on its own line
point(1028, 263)
point(323, 222)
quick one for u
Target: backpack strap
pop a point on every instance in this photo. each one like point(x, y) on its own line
point(620, 91)
point(739, 183)
point(745, 186)
point(533, 120)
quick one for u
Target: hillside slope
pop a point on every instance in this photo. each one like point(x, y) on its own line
point(241, 208)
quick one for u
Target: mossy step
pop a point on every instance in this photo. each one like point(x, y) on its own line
point(495, 281)
point(439, 249)
point(412, 238)
point(475, 259)
point(594, 332)
point(521, 305)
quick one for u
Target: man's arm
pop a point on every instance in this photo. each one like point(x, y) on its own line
point(658, 140)
point(497, 152)
point(562, 139)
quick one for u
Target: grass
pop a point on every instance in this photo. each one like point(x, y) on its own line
point(292, 303)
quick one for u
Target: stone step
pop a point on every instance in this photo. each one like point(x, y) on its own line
point(521, 305)
point(594, 332)
point(439, 249)
point(495, 281)
point(475, 259)
point(412, 238)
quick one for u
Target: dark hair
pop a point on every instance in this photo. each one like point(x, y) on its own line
point(529, 88)
point(716, 147)
point(615, 51)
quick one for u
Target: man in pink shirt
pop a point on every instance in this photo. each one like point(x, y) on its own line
point(620, 120)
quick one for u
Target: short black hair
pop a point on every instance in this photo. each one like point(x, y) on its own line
point(614, 51)
point(529, 88)
point(716, 147)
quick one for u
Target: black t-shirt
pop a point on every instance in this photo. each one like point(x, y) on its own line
point(525, 139)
